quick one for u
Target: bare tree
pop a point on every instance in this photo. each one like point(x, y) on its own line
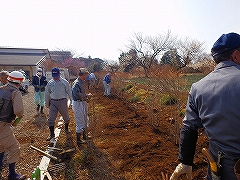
point(127, 61)
point(191, 51)
point(149, 48)
point(112, 66)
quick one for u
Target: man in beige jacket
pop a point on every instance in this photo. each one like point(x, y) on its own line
point(11, 105)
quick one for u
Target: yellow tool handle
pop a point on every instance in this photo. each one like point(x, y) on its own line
point(212, 163)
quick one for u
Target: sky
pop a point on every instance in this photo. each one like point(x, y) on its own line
point(103, 28)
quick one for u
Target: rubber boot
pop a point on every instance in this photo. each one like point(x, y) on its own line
point(66, 128)
point(38, 107)
point(37, 110)
point(41, 111)
point(13, 175)
point(85, 136)
point(78, 137)
point(52, 135)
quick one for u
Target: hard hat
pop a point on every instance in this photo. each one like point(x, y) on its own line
point(16, 76)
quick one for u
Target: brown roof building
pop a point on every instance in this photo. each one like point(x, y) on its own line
point(24, 59)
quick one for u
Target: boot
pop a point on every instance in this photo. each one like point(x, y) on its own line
point(85, 136)
point(52, 135)
point(13, 175)
point(41, 111)
point(66, 128)
point(79, 141)
point(37, 110)
point(38, 107)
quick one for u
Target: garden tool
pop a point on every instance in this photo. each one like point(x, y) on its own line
point(45, 153)
point(237, 169)
point(62, 150)
point(214, 166)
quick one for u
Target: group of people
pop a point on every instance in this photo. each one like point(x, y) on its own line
point(53, 95)
point(213, 104)
point(56, 93)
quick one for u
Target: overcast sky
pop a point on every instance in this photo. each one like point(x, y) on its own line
point(101, 28)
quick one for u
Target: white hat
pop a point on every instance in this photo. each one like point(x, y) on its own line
point(16, 76)
point(39, 69)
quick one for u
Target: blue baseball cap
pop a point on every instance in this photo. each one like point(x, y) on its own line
point(225, 43)
point(55, 72)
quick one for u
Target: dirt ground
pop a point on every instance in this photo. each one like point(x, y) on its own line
point(123, 145)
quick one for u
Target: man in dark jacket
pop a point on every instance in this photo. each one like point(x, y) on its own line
point(79, 105)
point(39, 82)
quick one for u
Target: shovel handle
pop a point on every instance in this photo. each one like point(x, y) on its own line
point(212, 163)
point(45, 153)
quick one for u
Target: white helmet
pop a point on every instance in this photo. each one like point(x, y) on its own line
point(16, 76)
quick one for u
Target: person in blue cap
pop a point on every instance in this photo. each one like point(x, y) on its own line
point(214, 104)
point(106, 82)
point(56, 93)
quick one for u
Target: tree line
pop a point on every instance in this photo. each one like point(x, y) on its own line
point(144, 51)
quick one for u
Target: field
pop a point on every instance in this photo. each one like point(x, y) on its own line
point(124, 144)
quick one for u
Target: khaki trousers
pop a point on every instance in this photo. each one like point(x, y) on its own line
point(9, 143)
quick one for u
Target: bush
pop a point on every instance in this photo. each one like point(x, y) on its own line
point(127, 87)
point(182, 113)
point(136, 98)
point(168, 100)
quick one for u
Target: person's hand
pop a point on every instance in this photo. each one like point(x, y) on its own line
point(89, 94)
point(182, 169)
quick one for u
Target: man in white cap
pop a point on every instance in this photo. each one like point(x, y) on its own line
point(79, 105)
point(39, 82)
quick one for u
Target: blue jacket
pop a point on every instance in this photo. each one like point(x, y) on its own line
point(107, 78)
point(39, 84)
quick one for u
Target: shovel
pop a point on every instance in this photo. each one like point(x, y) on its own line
point(62, 150)
point(215, 169)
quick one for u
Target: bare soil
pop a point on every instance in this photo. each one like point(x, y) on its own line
point(123, 145)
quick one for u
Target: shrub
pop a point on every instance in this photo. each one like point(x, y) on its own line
point(168, 100)
point(182, 113)
point(136, 98)
point(131, 90)
point(127, 87)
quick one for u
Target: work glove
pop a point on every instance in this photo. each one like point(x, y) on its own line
point(182, 169)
